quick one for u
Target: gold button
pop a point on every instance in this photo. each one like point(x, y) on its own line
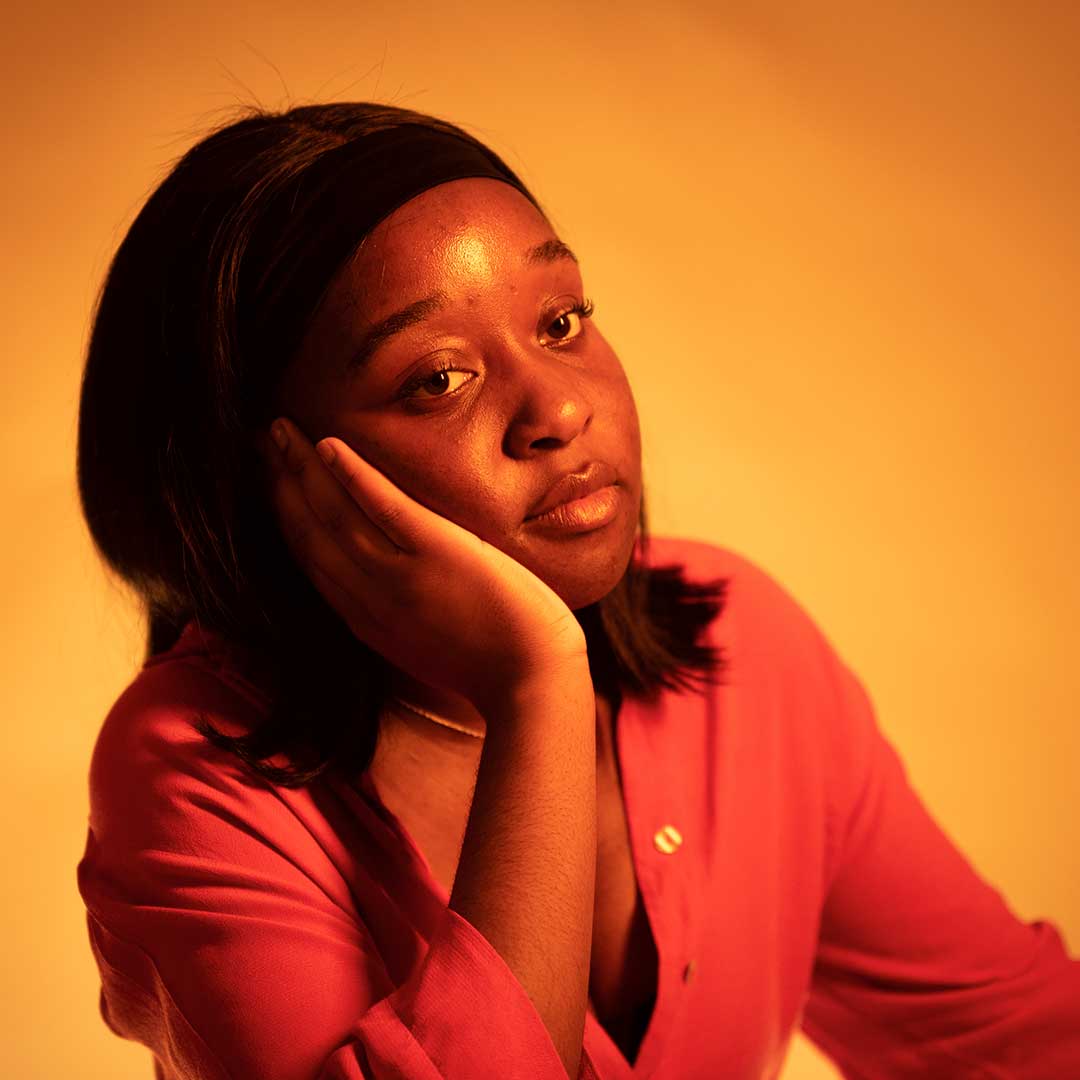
point(688, 972)
point(668, 839)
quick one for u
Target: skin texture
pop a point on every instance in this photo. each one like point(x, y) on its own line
point(534, 393)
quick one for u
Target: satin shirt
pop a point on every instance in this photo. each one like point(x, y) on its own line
point(791, 877)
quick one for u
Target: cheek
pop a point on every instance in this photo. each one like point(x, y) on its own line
point(629, 406)
point(448, 476)
point(625, 410)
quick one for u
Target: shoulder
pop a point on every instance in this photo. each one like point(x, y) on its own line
point(760, 612)
point(702, 559)
point(152, 772)
point(786, 674)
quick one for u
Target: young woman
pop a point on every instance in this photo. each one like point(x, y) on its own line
point(437, 765)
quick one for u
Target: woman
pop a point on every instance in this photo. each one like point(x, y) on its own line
point(437, 765)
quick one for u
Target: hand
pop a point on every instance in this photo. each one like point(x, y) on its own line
point(429, 596)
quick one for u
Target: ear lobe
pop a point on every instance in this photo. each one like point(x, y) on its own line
point(265, 448)
point(267, 460)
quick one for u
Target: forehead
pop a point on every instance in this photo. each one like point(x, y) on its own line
point(463, 231)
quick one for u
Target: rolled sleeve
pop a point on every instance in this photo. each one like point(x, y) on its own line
point(922, 969)
point(226, 947)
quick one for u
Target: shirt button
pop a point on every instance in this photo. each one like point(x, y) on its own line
point(688, 972)
point(667, 840)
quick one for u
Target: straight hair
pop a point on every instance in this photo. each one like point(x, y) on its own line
point(180, 375)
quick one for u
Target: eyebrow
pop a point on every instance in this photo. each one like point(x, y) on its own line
point(542, 254)
point(391, 325)
point(548, 252)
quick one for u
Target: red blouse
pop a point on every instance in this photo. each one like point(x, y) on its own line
point(790, 875)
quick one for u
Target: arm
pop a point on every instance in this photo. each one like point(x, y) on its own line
point(527, 871)
point(922, 969)
point(229, 943)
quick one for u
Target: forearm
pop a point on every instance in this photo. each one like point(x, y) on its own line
point(526, 874)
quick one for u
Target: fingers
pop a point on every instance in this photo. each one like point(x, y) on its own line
point(384, 504)
point(319, 557)
point(320, 503)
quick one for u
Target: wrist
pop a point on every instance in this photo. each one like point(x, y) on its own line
point(561, 683)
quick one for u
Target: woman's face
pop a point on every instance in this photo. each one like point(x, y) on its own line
point(532, 390)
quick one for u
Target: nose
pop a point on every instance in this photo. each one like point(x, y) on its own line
point(553, 407)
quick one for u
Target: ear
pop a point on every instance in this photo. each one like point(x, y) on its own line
point(267, 459)
point(263, 445)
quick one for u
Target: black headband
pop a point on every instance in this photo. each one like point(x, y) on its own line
point(338, 200)
point(366, 180)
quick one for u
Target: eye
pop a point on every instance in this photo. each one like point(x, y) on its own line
point(569, 324)
point(437, 380)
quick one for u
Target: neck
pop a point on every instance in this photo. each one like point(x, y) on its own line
point(461, 712)
point(452, 707)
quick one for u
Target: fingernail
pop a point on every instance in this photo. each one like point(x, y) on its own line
point(280, 435)
point(326, 452)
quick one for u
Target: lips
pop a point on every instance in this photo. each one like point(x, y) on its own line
point(576, 485)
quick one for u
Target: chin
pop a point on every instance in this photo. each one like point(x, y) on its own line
point(583, 568)
point(590, 576)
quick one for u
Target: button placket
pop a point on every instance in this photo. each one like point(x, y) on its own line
point(667, 840)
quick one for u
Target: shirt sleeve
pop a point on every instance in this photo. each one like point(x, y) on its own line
point(222, 951)
point(922, 969)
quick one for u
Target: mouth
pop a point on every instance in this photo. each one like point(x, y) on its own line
point(591, 511)
point(574, 487)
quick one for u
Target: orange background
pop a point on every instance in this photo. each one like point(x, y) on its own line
point(835, 247)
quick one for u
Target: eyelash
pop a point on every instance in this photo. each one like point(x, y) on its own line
point(583, 309)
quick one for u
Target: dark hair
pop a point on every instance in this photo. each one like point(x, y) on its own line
point(173, 393)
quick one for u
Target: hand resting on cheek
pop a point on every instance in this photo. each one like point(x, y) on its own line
point(428, 595)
